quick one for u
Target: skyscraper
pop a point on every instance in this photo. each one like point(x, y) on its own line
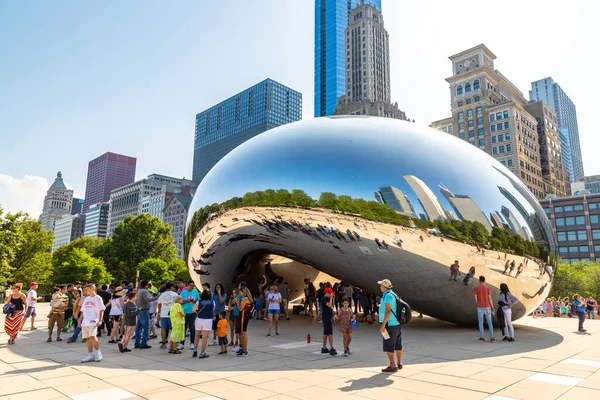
point(367, 67)
point(230, 123)
point(465, 207)
point(431, 205)
point(77, 206)
point(331, 20)
point(549, 91)
point(57, 203)
point(394, 198)
point(67, 229)
point(106, 173)
point(96, 221)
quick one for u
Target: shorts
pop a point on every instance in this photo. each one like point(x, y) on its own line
point(275, 312)
point(223, 341)
point(88, 331)
point(203, 324)
point(30, 312)
point(312, 299)
point(394, 343)
point(231, 316)
point(129, 331)
point(327, 326)
point(115, 318)
point(215, 321)
point(165, 323)
point(241, 322)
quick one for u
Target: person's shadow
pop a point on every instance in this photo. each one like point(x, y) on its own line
point(379, 380)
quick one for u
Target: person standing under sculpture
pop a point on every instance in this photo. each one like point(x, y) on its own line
point(507, 300)
point(142, 328)
point(390, 326)
point(483, 298)
point(580, 310)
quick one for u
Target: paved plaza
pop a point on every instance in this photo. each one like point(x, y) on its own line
point(549, 360)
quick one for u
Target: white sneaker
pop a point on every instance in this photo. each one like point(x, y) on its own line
point(236, 349)
point(191, 346)
point(179, 346)
point(88, 358)
point(98, 356)
point(213, 343)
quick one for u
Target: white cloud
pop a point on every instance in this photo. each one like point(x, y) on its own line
point(23, 194)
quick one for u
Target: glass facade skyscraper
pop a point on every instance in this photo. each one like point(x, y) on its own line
point(108, 172)
point(549, 91)
point(230, 123)
point(331, 20)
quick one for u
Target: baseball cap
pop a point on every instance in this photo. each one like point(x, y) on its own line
point(386, 282)
point(33, 284)
point(329, 290)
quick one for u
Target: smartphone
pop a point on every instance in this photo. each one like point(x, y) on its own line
point(385, 334)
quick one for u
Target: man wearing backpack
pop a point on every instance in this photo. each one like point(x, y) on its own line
point(390, 326)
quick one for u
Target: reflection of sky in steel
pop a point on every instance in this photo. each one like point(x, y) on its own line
point(354, 156)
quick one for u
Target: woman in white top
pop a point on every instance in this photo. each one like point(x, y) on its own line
point(274, 308)
point(116, 312)
point(507, 300)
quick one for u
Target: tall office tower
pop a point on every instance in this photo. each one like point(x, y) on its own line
point(144, 196)
point(331, 20)
point(57, 203)
point(394, 198)
point(367, 67)
point(96, 221)
point(549, 91)
point(428, 200)
point(67, 229)
point(556, 178)
point(106, 173)
point(230, 123)
point(465, 207)
point(489, 112)
point(77, 206)
point(175, 213)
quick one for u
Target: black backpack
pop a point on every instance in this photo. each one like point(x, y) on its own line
point(405, 310)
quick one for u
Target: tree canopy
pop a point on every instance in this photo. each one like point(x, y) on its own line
point(79, 265)
point(581, 277)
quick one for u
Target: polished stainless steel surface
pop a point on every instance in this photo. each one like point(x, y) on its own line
point(281, 193)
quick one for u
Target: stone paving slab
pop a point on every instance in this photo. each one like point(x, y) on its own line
point(549, 360)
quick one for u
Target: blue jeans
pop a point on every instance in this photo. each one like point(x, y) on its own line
point(142, 328)
point(581, 316)
point(488, 316)
point(77, 330)
point(590, 314)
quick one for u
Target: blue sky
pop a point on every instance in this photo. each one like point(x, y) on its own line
point(78, 79)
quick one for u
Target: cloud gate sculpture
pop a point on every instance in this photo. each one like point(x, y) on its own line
point(367, 198)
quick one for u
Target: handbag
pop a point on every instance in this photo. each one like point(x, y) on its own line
point(9, 309)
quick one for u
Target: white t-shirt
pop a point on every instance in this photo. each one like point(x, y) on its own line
point(31, 296)
point(91, 307)
point(115, 306)
point(166, 301)
point(272, 299)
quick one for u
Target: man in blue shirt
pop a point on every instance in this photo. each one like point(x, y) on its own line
point(580, 309)
point(190, 296)
point(390, 326)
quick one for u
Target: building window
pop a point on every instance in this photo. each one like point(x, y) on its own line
point(558, 209)
point(480, 131)
point(461, 125)
point(570, 221)
point(563, 250)
point(469, 113)
point(499, 127)
point(571, 236)
point(500, 138)
point(471, 134)
point(584, 249)
point(510, 163)
point(501, 149)
point(476, 84)
point(462, 135)
point(467, 87)
point(471, 123)
point(595, 234)
point(508, 148)
point(498, 116)
point(568, 208)
point(561, 236)
point(493, 128)
point(593, 219)
point(461, 115)
point(479, 111)
point(506, 114)
point(578, 207)
point(507, 136)
point(479, 121)
point(573, 249)
point(492, 118)
point(476, 99)
point(560, 222)
point(506, 125)
point(460, 103)
point(468, 101)
point(459, 90)
point(481, 142)
point(493, 139)
point(495, 150)
point(592, 206)
point(580, 220)
point(581, 235)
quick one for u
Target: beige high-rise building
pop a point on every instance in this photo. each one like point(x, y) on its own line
point(556, 178)
point(488, 111)
point(368, 90)
point(57, 203)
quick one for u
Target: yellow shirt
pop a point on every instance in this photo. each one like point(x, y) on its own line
point(222, 328)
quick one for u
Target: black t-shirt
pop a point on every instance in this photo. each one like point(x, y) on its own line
point(105, 297)
point(327, 311)
point(320, 293)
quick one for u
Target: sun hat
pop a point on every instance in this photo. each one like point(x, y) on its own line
point(119, 291)
point(386, 282)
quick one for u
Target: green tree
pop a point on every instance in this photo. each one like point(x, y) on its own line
point(282, 197)
point(300, 199)
point(24, 249)
point(328, 200)
point(79, 265)
point(135, 240)
point(91, 244)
